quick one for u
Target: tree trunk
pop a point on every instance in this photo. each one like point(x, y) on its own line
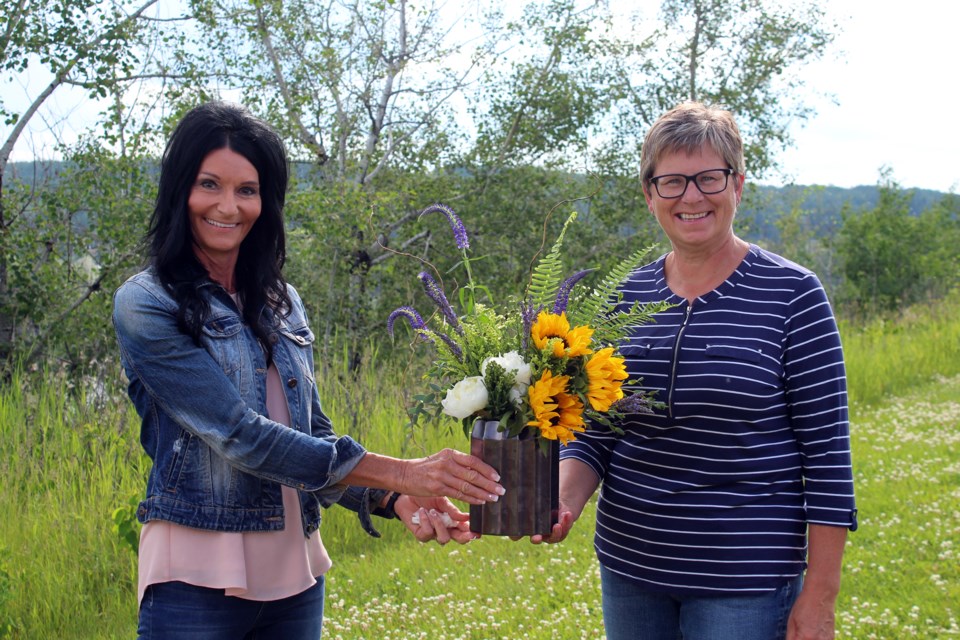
point(6, 317)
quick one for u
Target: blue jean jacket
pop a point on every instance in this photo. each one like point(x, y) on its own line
point(218, 461)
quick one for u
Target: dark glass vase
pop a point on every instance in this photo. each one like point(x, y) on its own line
point(530, 476)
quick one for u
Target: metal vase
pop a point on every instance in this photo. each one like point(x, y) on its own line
point(530, 476)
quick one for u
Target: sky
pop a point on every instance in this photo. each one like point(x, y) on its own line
point(885, 97)
point(896, 86)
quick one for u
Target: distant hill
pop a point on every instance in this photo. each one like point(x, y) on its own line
point(761, 207)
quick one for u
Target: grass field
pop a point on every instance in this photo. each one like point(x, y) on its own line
point(70, 467)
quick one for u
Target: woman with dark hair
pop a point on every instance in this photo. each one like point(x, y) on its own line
point(218, 354)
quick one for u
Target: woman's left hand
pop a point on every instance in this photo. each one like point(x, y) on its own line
point(812, 618)
point(431, 523)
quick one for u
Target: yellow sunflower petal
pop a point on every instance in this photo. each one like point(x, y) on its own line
point(547, 326)
point(578, 341)
point(605, 376)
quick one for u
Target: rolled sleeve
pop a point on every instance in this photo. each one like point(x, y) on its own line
point(816, 392)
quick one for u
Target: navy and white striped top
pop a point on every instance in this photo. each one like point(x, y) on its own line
point(712, 493)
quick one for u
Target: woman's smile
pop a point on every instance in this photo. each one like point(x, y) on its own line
point(224, 204)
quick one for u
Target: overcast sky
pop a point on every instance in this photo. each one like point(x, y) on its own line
point(897, 88)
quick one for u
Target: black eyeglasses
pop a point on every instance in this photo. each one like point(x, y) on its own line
point(674, 185)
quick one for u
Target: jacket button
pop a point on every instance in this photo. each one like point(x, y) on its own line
point(292, 382)
point(273, 338)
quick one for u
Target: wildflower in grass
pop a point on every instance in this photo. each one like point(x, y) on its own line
point(605, 376)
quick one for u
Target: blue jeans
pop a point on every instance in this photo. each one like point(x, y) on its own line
point(632, 612)
point(180, 611)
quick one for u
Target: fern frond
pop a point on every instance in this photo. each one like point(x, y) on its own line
point(548, 274)
point(592, 308)
point(613, 327)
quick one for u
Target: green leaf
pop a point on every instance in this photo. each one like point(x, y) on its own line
point(548, 273)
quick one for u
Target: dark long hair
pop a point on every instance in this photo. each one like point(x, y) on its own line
point(259, 277)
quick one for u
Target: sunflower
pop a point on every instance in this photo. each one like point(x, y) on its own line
point(552, 328)
point(605, 376)
point(557, 414)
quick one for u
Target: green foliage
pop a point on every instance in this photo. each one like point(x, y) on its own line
point(8, 593)
point(891, 259)
point(364, 97)
point(66, 455)
point(548, 273)
point(125, 523)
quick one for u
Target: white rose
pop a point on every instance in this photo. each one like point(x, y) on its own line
point(510, 361)
point(465, 398)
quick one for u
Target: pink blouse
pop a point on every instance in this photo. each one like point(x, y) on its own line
point(255, 565)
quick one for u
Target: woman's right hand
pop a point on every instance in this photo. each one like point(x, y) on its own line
point(448, 473)
point(453, 474)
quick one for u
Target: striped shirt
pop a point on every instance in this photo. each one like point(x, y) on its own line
point(712, 493)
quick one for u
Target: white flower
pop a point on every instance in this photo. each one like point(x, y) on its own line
point(465, 398)
point(510, 361)
point(513, 362)
point(517, 393)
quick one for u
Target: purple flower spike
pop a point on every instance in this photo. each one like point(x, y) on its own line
point(454, 347)
point(459, 231)
point(435, 292)
point(528, 313)
point(416, 322)
point(563, 295)
point(635, 403)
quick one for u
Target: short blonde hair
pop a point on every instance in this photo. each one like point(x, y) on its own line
point(689, 127)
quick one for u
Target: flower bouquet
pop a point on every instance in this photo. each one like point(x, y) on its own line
point(527, 377)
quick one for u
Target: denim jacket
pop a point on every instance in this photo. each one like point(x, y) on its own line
point(218, 461)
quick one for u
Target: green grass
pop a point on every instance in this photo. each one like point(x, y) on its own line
point(68, 462)
point(889, 357)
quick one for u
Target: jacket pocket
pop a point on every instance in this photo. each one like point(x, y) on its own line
point(300, 339)
point(225, 341)
point(178, 456)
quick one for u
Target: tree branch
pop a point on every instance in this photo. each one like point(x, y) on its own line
point(308, 139)
point(59, 79)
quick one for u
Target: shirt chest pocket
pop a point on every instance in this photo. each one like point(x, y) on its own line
point(735, 353)
point(747, 365)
